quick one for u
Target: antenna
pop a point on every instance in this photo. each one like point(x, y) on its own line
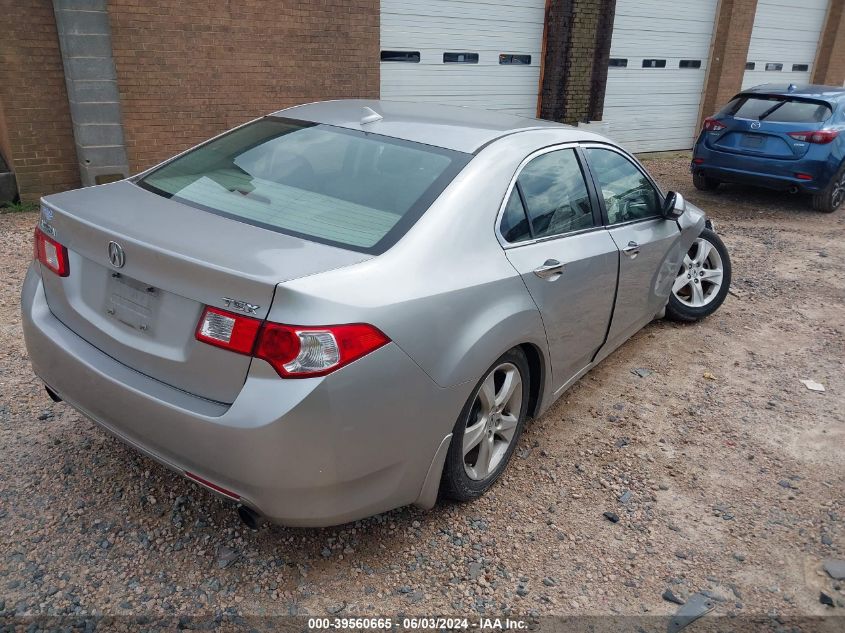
point(369, 116)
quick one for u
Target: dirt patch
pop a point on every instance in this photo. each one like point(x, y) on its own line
point(736, 474)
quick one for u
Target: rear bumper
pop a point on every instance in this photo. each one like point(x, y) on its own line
point(310, 452)
point(761, 172)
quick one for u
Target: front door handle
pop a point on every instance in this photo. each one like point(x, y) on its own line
point(632, 250)
point(550, 268)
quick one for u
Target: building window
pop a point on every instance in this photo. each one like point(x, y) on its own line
point(618, 62)
point(507, 58)
point(460, 58)
point(689, 63)
point(654, 63)
point(800, 68)
point(774, 66)
point(410, 57)
point(750, 65)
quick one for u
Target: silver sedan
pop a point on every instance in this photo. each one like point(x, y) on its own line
point(350, 306)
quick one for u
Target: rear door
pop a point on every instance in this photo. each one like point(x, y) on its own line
point(552, 234)
point(650, 247)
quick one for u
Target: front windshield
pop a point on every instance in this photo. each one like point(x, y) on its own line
point(328, 184)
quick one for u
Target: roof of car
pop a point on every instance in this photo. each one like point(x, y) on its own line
point(452, 127)
point(813, 91)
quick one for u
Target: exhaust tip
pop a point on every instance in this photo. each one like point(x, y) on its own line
point(793, 189)
point(53, 395)
point(249, 517)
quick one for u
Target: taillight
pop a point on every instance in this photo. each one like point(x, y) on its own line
point(293, 351)
point(819, 137)
point(712, 125)
point(50, 253)
point(228, 330)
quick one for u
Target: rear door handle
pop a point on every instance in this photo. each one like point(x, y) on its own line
point(632, 250)
point(550, 268)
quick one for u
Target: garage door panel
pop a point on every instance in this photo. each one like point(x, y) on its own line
point(784, 32)
point(652, 109)
point(486, 28)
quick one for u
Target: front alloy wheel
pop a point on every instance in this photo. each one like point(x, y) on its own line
point(700, 277)
point(703, 280)
point(488, 428)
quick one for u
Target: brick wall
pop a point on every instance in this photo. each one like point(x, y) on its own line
point(39, 139)
point(577, 47)
point(189, 69)
point(728, 54)
point(830, 61)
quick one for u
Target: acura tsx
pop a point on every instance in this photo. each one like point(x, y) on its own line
point(346, 307)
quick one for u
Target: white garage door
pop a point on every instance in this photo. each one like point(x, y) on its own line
point(479, 54)
point(658, 62)
point(784, 41)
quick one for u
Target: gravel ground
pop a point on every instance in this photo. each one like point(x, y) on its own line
point(733, 474)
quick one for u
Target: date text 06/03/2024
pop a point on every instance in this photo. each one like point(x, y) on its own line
point(419, 623)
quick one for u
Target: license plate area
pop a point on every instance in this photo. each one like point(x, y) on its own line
point(132, 302)
point(753, 141)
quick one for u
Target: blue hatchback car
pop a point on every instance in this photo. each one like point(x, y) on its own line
point(789, 138)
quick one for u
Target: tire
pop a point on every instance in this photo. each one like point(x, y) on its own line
point(704, 183)
point(833, 196)
point(456, 482)
point(695, 293)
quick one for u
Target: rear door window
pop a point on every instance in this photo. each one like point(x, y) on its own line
point(555, 194)
point(328, 184)
point(777, 109)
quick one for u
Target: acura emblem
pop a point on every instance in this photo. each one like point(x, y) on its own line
point(755, 125)
point(116, 255)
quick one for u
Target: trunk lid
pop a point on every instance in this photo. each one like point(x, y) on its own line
point(177, 260)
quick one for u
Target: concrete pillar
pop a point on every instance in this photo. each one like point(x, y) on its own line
point(829, 68)
point(85, 42)
point(728, 54)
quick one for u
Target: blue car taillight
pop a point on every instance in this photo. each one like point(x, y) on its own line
point(818, 137)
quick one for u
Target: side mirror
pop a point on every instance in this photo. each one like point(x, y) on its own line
point(674, 206)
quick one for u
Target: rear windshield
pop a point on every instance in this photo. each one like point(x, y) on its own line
point(777, 109)
point(327, 184)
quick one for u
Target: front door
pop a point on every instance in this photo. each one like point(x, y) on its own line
point(554, 238)
point(650, 246)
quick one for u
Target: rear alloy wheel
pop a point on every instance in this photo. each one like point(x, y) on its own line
point(703, 279)
point(488, 429)
point(704, 183)
point(833, 196)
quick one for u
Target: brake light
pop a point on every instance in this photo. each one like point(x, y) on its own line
point(302, 352)
point(50, 253)
point(712, 125)
point(293, 351)
point(819, 137)
point(228, 330)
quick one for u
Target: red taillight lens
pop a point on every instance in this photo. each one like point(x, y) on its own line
point(50, 253)
point(712, 125)
point(802, 176)
point(819, 137)
point(302, 352)
point(293, 351)
point(228, 330)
